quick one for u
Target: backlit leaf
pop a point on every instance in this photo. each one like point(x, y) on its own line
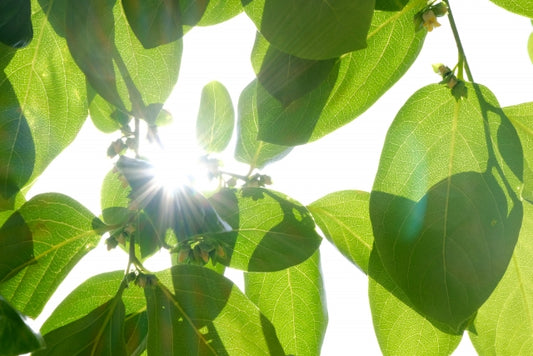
point(313, 29)
point(504, 323)
point(15, 23)
point(269, 231)
point(361, 78)
point(293, 300)
point(216, 118)
point(39, 245)
point(218, 11)
point(520, 7)
point(530, 47)
point(344, 219)
point(444, 216)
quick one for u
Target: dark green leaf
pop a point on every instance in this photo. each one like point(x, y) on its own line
point(99, 333)
point(520, 7)
point(390, 5)
point(136, 333)
point(444, 211)
point(218, 11)
point(353, 85)
point(104, 115)
point(344, 219)
point(504, 324)
point(284, 76)
point(39, 245)
point(315, 29)
point(294, 301)
point(16, 336)
point(15, 23)
point(269, 231)
point(216, 118)
point(42, 106)
point(249, 148)
point(206, 315)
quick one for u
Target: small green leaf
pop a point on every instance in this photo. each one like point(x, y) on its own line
point(444, 216)
point(504, 323)
point(314, 29)
point(39, 244)
point(249, 148)
point(16, 336)
point(218, 11)
point(104, 115)
point(344, 219)
point(101, 332)
point(15, 23)
point(390, 5)
point(294, 301)
point(206, 315)
point(216, 118)
point(357, 81)
point(269, 231)
point(520, 7)
point(530, 47)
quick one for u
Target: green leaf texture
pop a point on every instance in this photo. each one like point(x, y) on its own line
point(520, 7)
point(218, 11)
point(444, 210)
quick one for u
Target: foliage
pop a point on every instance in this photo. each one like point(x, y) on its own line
point(444, 235)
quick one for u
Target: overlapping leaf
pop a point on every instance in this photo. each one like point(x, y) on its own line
point(15, 23)
point(521, 7)
point(444, 211)
point(218, 11)
point(360, 79)
point(216, 118)
point(390, 5)
point(269, 231)
point(39, 245)
point(314, 29)
point(294, 301)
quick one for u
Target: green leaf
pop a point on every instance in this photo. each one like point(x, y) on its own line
point(390, 5)
point(284, 76)
point(249, 148)
point(43, 103)
point(216, 118)
point(39, 245)
point(104, 115)
point(116, 64)
point(101, 332)
point(504, 323)
point(314, 29)
point(400, 330)
point(218, 11)
point(206, 315)
point(136, 332)
point(269, 231)
point(520, 7)
point(444, 216)
point(344, 219)
point(530, 47)
point(294, 301)
point(15, 23)
point(16, 336)
point(361, 78)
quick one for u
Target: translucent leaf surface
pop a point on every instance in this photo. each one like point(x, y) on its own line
point(249, 148)
point(218, 11)
point(530, 47)
point(314, 29)
point(15, 23)
point(216, 118)
point(360, 79)
point(504, 324)
point(43, 103)
point(521, 7)
point(206, 315)
point(39, 245)
point(294, 301)
point(344, 219)
point(269, 231)
point(444, 211)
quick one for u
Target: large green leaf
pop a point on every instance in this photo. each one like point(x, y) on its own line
point(444, 211)
point(269, 231)
point(39, 245)
point(218, 11)
point(99, 333)
point(216, 118)
point(249, 148)
point(315, 29)
point(16, 336)
point(504, 324)
point(15, 23)
point(360, 79)
point(116, 64)
point(521, 7)
point(294, 301)
point(43, 103)
point(206, 315)
point(344, 219)
point(390, 5)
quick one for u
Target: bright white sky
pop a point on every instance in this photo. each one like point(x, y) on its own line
point(496, 47)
